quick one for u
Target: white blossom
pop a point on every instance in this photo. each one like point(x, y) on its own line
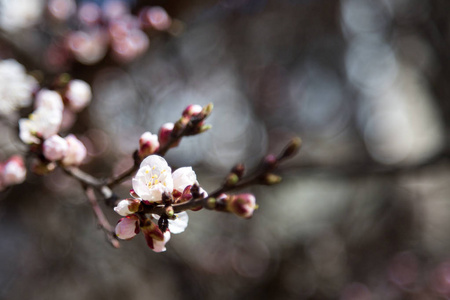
point(79, 94)
point(50, 100)
point(76, 151)
point(20, 14)
point(55, 148)
point(16, 87)
point(183, 177)
point(43, 122)
point(153, 179)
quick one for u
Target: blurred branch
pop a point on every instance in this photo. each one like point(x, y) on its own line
point(101, 219)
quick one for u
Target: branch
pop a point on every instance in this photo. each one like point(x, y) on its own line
point(101, 219)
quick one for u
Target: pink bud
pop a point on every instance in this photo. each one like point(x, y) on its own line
point(164, 133)
point(61, 9)
point(148, 144)
point(192, 110)
point(13, 171)
point(78, 94)
point(88, 48)
point(76, 152)
point(89, 13)
point(242, 205)
point(127, 227)
point(55, 148)
point(155, 17)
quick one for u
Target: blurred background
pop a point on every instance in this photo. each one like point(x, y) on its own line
point(363, 211)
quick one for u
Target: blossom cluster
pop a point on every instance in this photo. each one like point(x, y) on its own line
point(155, 184)
point(42, 125)
point(102, 28)
point(53, 109)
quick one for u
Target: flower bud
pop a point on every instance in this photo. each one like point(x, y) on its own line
point(239, 170)
point(207, 110)
point(204, 128)
point(242, 205)
point(169, 211)
point(232, 179)
point(291, 149)
point(192, 110)
point(148, 144)
point(271, 160)
point(271, 179)
point(13, 171)
point(127, 207)
point(127, 227)
point(78, 94)
point(76, 152)
point(55, 148)
point(164, 134)
point(155, 17)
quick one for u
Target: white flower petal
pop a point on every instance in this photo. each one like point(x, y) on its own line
point(160, 246)
point(183, 177)
point(180, 223)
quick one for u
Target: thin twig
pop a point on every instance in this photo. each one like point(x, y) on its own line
point(101, 218)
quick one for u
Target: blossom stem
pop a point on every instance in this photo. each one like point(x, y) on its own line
point(101, 218)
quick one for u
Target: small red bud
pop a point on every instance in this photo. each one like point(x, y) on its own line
point(192, 110)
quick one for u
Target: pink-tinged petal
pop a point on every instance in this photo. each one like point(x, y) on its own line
point(55, 148)
point(160, 246)
point(13, 171)
point(183, 177)
point(76, 152)
point(192, 110)
point(127, 227)
point(148, 144)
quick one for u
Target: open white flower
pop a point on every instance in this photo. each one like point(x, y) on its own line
point(153, 179)
point(43, 122)
point(16, 87)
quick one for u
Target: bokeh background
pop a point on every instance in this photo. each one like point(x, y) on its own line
point(363, 211)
